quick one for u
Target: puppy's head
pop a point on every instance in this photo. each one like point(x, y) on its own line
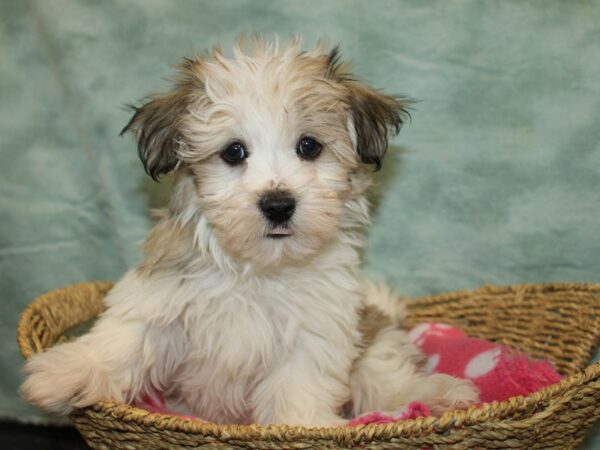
point(273, 143)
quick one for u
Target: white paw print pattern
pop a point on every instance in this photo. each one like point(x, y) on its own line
point(482, 363)
point(418, 334)
point(431, 363)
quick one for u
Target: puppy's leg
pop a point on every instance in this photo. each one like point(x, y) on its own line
point(389, 375)
point(302, 392)
point(100, 365)
point(122, 355)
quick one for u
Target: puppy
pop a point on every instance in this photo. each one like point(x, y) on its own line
point(248, 306)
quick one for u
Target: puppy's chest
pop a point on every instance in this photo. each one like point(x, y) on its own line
point(253, 327)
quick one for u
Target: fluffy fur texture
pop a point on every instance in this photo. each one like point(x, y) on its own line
point(237, 326)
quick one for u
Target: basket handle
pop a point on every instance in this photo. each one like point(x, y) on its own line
point(49, 316)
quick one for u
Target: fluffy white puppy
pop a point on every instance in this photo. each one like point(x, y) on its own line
point(249, 306)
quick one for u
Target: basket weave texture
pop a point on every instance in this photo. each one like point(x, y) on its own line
point(557, 322)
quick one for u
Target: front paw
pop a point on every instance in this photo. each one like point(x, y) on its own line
point(61, 380)
point(50, 393)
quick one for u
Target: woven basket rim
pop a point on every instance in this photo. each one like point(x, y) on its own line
point(450, 419)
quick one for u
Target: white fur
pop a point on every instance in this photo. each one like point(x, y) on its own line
point(234, 326)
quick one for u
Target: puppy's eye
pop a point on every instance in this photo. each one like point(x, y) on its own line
point(308, 148)
point(234, 154)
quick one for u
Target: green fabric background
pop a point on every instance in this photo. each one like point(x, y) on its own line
point(496, 180)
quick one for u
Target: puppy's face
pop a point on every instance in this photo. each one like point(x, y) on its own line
point(273, 140)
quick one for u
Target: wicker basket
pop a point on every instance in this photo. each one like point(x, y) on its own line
point(558, 322)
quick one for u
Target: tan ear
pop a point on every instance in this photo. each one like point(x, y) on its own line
point(156, 123)
point(374, 115)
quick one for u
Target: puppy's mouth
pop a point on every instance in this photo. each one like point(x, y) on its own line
point(279, 232)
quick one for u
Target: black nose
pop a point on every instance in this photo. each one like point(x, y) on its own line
point(277, 206)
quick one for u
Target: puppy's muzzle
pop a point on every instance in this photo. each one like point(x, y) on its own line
point(277, 206)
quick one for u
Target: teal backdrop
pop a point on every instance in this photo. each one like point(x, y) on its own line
point(496, 180)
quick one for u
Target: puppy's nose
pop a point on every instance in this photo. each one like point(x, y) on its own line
point(277, 206)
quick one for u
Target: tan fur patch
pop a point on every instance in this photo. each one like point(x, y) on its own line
point(371, 321)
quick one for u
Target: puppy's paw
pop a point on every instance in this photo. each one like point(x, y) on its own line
point(450, 393)
point(63, 379)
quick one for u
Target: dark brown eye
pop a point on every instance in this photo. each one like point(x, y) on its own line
point(234, 154)
point(308, 148)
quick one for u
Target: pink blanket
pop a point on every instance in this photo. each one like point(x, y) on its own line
point(496, 371)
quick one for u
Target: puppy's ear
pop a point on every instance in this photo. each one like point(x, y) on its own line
point(374, 115)
point(155, 126)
